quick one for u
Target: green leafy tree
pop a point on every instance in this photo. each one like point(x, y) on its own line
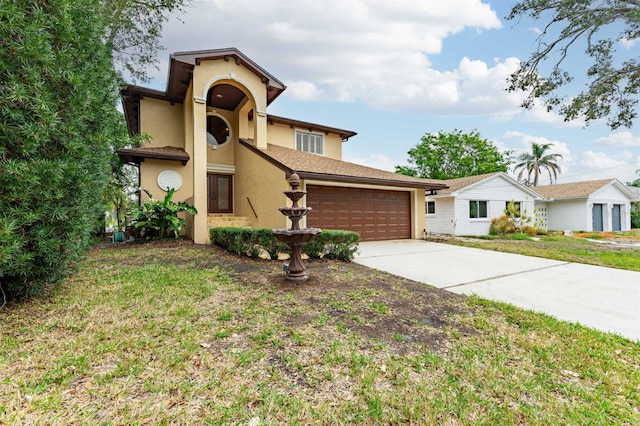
point(635, 206)
point(596, 27)
point(58, 130)
point(452, 155)
point(533, 162)
point(133, 30)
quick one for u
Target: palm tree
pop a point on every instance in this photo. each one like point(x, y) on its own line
point(538, 159)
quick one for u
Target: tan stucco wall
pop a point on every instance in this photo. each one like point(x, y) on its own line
point(418, 210)
point(333, 146)
point(245, 127)
point(284, 135)
point(205, 76)
point(149, 170)
point(211, 73)
point(264, 184)
point(163, 122)
point(279, 134)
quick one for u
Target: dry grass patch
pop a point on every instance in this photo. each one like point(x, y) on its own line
point(176, 333)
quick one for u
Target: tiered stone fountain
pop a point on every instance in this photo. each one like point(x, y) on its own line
point(294, 236)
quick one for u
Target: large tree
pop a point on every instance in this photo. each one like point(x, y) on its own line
point(452, 155)
point(133, 31)
point(535, 161)
point(597, 28)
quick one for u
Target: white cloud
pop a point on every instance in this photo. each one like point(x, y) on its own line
point(628, 43)
point(376, 51)
point(539, 114)
point(566, 163)
point(624, 138)
point(303, 90)
point(599, 165)
point(587, 165)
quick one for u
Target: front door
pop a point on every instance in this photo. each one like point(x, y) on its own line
point(616, 217)
point(220, 193)
point(598, 222)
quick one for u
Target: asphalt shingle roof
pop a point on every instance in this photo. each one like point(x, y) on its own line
point(316, 166)
point(459, 183)
point(571, 190)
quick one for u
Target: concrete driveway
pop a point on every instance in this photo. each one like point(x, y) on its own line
point(602, 298)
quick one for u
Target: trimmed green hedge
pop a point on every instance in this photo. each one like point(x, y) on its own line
point(330, 244)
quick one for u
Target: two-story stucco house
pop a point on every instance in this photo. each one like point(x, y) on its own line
point(214, 142)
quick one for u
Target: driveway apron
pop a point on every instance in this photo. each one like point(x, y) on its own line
point(606, 299)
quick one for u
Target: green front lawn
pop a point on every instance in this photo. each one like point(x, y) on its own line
point(611, 250)
point(180, 334)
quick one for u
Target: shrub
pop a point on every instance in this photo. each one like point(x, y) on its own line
point(59, 129)
point(635, 215)
point(159, 219)
point(330, 244)
point(515, 221)
point(502, 225)
point(333, 244)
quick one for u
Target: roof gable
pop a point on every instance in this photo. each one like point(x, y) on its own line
point(181, 65)
point(460, 185)
point(582, 189)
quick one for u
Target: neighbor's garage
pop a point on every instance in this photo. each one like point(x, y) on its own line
point(374, 214)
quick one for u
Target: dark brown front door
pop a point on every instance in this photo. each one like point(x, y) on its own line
point(220, 192)
point(374, 214)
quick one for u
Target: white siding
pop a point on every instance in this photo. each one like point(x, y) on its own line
point(442, 222)
point(610, 195)
point(570, 215)
point(497, 192)
point(577, 214)
point(467, 226)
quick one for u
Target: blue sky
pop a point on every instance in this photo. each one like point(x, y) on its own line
point(393, 70)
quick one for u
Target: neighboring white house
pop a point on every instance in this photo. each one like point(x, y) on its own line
point(597, 205)
point(469, 204)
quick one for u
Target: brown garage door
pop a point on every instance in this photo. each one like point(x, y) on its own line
point(374, 214)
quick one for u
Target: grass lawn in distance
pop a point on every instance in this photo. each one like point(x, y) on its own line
point(613, 250)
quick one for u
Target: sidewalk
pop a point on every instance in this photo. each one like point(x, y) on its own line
point(602, 298)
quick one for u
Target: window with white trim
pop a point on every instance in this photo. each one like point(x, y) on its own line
point(310, 142)
point(477, 209)
point(431, 207)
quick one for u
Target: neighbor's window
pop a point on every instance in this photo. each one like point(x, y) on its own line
point(431, 207)
point(477, 209)
point(516, 205)
point(310, 142)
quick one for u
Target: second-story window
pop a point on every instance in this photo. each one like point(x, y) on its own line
point(310, 142)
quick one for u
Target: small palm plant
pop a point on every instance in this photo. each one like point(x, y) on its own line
point(159, 219)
